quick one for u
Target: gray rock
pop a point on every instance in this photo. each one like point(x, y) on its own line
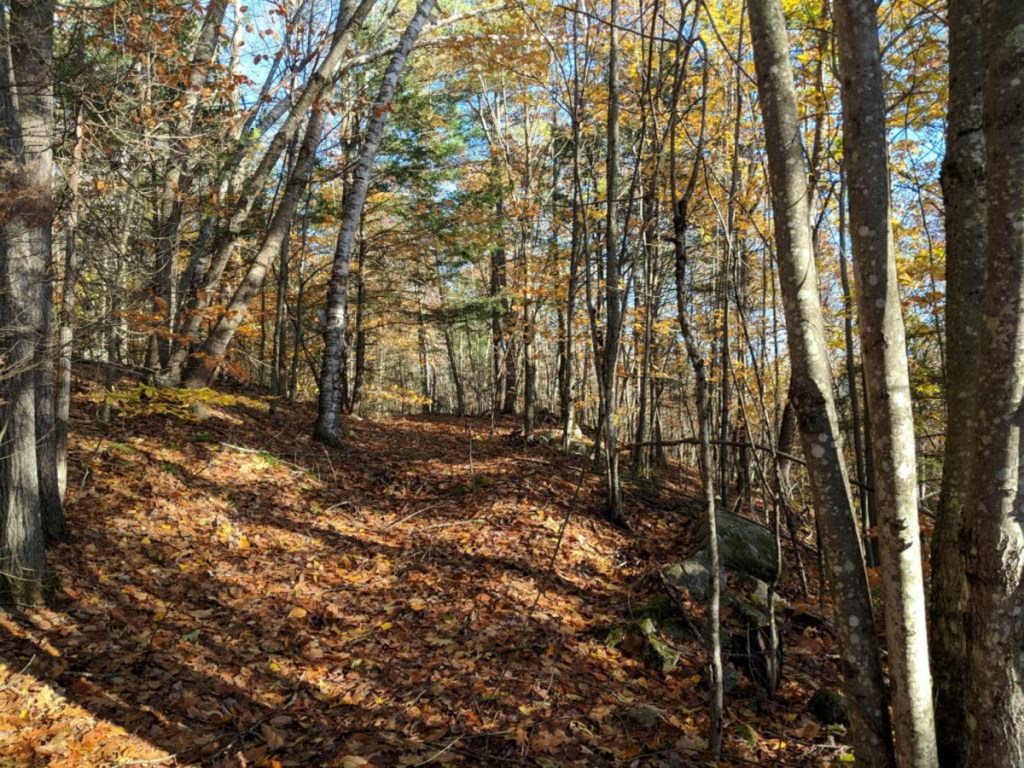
point(579, 445)
point(691, 574)
point(744, 546)
point(645, 715)
point(759, 594)
point(730, 677)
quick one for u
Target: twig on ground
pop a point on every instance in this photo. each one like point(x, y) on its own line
point(24, 669)
point(436, 755)
point(410, 516)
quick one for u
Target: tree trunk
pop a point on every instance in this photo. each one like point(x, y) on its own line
point(298, 325)
point(360, 361)
point(728, 256)
point(884, 352)
point(866, 510)
point(565, 382)
point(504, 351)
point(499, 348)
point(529, 362)
point(995, 562)
point(453, 371)
point(529, 374)
point(963, 186)
point(216, 245)
point(66, 326)
point(812, 386)
point(680, 223)
point(646, 336)
point(26, 109)
point(277, 371)
point(177, 178)
point(206, 361)
point(614, 294)
point(329, 404)
point(426, 390)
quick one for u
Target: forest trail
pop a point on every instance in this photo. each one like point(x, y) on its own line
point(237, 595)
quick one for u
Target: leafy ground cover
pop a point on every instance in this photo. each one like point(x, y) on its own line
point(433, 593)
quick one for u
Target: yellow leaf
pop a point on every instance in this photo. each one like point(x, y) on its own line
point(297, 613)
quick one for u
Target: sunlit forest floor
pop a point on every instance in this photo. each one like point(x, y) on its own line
point(235, 594)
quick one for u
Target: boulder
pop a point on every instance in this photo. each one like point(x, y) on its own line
point(579, 445)
point(645, 715)
point(657, 607)
point(691, 574)
point(744, 546)
point(757, 591)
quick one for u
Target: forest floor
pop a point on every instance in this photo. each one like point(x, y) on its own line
point(235, 594)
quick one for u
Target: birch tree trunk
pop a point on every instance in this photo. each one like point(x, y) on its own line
point(706, 457)
point(884, 352)
point(66, 328)
point(329, 404)
point(613, 278)
point(812, 387)
point(578, 244)
point(963, 186)
point(26, 103)
point(498, 347)
point(360, 330)
point(995, 563)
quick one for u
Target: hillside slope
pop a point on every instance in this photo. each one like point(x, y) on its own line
point(236, 594)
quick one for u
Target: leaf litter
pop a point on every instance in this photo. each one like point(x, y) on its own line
point(235, 594)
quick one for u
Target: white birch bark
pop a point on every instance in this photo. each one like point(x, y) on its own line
point(812, 386)
point(330, 399)
point(884, 352)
